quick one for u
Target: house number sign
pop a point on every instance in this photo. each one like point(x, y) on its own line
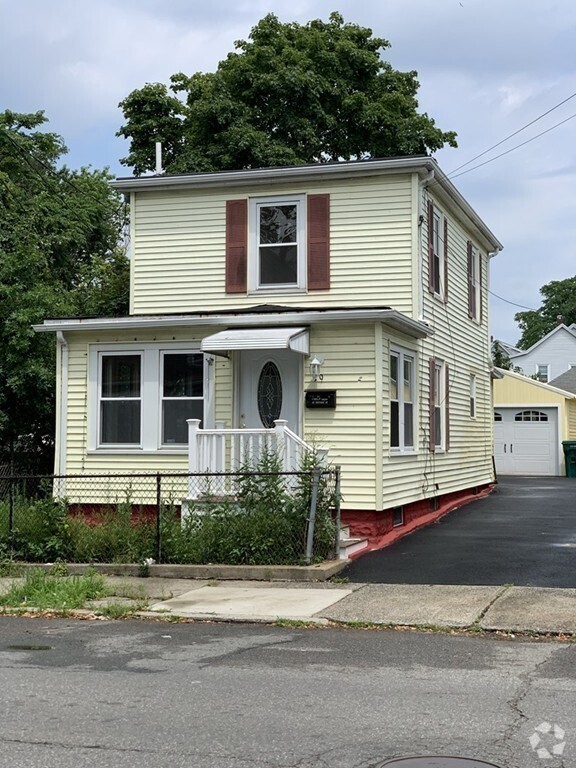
point(321, 398)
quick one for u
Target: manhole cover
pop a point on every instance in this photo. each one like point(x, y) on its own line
point(437, 761)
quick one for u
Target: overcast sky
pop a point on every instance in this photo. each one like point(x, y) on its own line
point(486, 69)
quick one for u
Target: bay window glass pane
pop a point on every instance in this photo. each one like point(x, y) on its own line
point(407, 381)
point(278, 265)
point(174, 415)
point(394, 424)
point(121, 376)
point(408, 426)
point(120, 422)
point(394, 377)
point(183, 375)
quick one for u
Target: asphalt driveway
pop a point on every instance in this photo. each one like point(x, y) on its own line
point(524, 533)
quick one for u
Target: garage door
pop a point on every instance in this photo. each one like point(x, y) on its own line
point(526, 441)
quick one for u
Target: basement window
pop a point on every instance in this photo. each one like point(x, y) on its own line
point(398, 517)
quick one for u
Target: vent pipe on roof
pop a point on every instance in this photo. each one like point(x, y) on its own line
point(159, 170)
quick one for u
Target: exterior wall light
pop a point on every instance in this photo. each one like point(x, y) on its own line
point(315, 364)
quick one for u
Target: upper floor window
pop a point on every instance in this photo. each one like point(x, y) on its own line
point(277, 252)
point(278, 244)
point(542, 372)
point(401, 400)
point(474, 283)
point(437, 252)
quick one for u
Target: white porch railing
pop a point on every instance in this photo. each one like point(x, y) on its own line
point(226, 450)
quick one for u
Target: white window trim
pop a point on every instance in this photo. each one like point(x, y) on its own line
point(150, 393)
point(475, 280)
point(401, 449)
point(440, 389)
point(438, 242)
point(254, 204)
point(543, 365)
point(473, 404)
point(162, 399)
point(140, 399)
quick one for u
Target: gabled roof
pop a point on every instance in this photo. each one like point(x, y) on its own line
point(566, 380)
point(536, 383)
point(425, 166)
point(571, 330)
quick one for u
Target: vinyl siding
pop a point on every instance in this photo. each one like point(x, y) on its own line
point(179, 242)
point(571, 419)
point(558, 351)
point(349, 431)
point(78, 457)
point(462, 344)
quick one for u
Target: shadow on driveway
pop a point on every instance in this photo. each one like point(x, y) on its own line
point(524, 533)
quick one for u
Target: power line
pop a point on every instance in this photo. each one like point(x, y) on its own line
point(485, 152)
point(455, 176)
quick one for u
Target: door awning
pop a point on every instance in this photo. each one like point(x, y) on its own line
point(296, 339)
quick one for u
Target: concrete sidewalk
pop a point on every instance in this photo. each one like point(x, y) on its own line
point(507, 608)
point(511, 609)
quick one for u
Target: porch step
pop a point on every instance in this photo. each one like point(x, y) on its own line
point(349, 545)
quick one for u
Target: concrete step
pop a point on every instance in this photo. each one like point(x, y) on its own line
point(350, 547)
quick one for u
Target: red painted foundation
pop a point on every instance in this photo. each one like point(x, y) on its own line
point(378, 527)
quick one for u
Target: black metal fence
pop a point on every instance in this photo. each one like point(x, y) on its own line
point(256, 518)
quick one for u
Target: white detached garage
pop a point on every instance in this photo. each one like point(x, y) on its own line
point(531, 419)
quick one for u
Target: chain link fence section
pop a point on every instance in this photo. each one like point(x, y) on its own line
point(248, 518)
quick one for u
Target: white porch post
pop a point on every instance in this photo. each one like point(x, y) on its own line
point(193, 427)
point(281, 443)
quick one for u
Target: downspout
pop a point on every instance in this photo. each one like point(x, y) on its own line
point(62, 406)
point(421, 219)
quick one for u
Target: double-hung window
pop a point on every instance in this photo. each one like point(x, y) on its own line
point(474, 283)
point(472, 396)
point(402, 400)
point(181, 394)
point(120, 399)
point(437, 252)
point(542, 372)
point(141, 397)
point(278, 247)
point(439, 392)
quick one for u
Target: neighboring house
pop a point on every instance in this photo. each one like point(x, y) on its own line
point(549, 357)
point(348, 299)
point(531, 419)
point(566, 380)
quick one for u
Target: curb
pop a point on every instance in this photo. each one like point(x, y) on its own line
point(303, 573)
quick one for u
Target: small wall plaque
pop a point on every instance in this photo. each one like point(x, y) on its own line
point(320, 398)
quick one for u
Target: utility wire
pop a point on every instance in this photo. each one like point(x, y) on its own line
point(474, 167)
point(536, 119)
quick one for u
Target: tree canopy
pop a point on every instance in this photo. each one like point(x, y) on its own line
point(290, 94)
point(559, 305)
point(59, 255)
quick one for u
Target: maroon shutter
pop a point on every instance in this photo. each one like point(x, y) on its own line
point(431, 416)
point(480, 287)
point(430, 246)
point(470, 281)
point(236, 246)
point(318, 242)
point(447, 408)
point(445, 259)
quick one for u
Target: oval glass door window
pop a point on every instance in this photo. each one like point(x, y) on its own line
point(269, 394)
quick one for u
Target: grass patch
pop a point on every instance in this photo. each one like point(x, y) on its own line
point(60, 593)
point(121, 610)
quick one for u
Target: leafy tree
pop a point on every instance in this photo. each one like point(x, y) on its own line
point(290, 94)
point(559, 305)
point(59, 255)
point(499, 357)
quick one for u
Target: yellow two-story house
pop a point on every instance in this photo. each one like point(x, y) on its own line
point(343, 305)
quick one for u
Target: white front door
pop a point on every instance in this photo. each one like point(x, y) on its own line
point(269, 388)
point(526, 441)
